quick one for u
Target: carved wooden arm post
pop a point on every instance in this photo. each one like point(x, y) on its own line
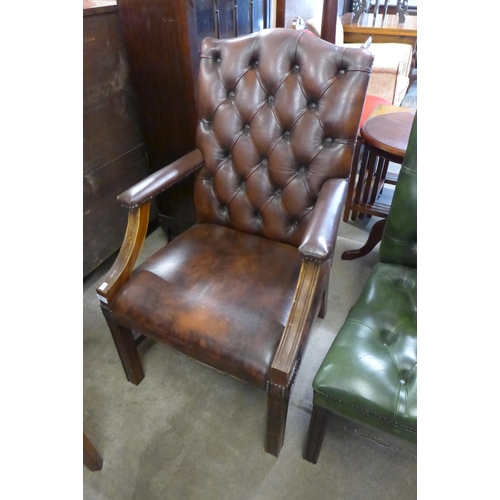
point(316, 248)
point(137, 199)
point(118, 275)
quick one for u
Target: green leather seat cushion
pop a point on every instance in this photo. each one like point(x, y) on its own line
point(370, 372)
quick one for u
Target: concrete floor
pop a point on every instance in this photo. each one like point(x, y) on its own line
point(189, 432)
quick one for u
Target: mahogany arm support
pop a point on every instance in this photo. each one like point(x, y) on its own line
point(161, 180)
point(317, 247)
point(136, 199)
point(321, 233)
point(118, 275)
point(285, 359)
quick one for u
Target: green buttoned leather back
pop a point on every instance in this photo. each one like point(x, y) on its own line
point(399, 242)
point(369, 375)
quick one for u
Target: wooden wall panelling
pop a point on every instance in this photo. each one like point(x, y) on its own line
point(329, 20)
point(114, 155)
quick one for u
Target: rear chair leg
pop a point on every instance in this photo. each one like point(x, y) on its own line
point(277, 409)
point(127, 350)
point(317, 429)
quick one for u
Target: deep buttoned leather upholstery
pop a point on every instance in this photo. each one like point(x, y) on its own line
point(278, 118)
point(369, 375)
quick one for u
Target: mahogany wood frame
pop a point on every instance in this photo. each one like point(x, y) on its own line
point(374, 238)
point(316, 433)
point(91, 458)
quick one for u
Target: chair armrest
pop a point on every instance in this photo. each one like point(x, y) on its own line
point(118, 275)
point(136, 199)
point(319, 239)
point(286, 357)
point(161, 180)
point(317, 246)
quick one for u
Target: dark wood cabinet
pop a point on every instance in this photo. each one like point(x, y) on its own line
point(114, 152)
point(163, 40)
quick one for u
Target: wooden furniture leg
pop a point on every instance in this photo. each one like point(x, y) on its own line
point(277, 409)
point(379, 180)
point(374, 237)
point(372, 163)
point(361, 182)
point(127, 349)
point(384, 175)
point(316, 433)
point(352, 179)
point(91, 458)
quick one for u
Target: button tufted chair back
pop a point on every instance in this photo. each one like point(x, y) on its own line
point(399, 242)
point(278, 116)
point(369, 374)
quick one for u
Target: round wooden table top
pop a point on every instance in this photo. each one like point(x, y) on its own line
point(389, 132)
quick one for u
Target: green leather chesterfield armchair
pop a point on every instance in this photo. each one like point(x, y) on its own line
point(369, 375)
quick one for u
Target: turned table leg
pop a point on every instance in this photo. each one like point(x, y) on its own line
point(374, 237)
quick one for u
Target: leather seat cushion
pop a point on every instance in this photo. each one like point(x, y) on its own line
point(370, 372)
point(200, 293)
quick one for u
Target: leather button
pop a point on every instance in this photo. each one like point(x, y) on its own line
point(328, 141)
point(286, 134)
point(243, 185)
point(278, 192)
point(302, 170)
point(231, 95)
point(296, 67)
point(246, 127)
point(264, 163)
point(271, 99)
point(312, 105)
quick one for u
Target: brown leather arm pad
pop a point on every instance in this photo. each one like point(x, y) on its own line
point(319, 240)
point(161, 180)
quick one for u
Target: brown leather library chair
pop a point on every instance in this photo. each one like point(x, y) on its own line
point(278, 114)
